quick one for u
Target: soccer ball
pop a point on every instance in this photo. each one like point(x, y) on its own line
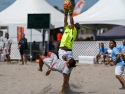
point(67, 4)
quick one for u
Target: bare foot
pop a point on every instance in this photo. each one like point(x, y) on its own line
point(123, 88)
point(8, 63)
point(40, 69)
point(48, 72)
point(96, 62)
point(21, 64)
point(26, 63)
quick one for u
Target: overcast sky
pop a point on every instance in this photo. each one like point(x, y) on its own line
point(5, 3)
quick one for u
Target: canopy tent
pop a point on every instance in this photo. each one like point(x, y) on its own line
point(104, 12)
point(16, 14)
point(117, 32)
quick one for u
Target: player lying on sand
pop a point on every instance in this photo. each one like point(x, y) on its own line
point(55, 64)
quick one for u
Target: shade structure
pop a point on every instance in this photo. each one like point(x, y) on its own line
point(117, 32)
point(16, 14)
point(104, 12)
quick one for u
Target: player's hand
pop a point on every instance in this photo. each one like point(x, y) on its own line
point(70, 9)
point(112, 64)
point(60, 92)
point(66, 11)
point(64, 57)
point(106, 63)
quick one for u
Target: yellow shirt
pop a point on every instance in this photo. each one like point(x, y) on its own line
point(68, 37)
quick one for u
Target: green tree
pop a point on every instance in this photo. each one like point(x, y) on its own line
point(61, 10)
point(56, 7)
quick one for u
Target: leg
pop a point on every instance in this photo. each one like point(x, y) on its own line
point(8, 59)
point(21, 54)
point(97, 58)
point(48, 72)
point(22, 59)
point(25, 59)
point(41, 63)
point(61, 53)
point(104, 56)
point(68, 80)
point(121, 80)
point(119, 70)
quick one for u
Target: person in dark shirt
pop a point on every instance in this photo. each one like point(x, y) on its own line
point(22, 46)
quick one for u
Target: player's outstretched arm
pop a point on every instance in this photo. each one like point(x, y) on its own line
point(71, 22)
point(65, 20)
point(71, 17)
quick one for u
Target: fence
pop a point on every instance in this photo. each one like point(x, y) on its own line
point(89, 48)
point(84, 48)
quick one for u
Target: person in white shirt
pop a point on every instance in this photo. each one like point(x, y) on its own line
point(7, 42)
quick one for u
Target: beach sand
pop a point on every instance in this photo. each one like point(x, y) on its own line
point(85, 79)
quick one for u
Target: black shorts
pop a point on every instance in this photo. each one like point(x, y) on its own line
point(22, 51)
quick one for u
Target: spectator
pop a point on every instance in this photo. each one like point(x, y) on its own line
point(91, 38)
point(59, 35)
point(7, 47)
point(22, 46)
point(102, 53)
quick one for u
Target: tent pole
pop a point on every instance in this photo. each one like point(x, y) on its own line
point(31, 45)
point(42, 41)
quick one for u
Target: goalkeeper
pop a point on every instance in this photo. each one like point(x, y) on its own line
point(69, 35)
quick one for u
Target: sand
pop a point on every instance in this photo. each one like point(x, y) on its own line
point(85, 79)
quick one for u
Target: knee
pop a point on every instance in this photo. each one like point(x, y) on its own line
point(117, 76)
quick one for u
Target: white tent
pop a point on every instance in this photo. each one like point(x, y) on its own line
point(16, 14)
point(104, 12)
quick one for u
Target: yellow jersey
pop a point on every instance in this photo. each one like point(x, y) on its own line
point(68, 37)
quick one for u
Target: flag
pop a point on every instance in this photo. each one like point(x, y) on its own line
point(78, 7)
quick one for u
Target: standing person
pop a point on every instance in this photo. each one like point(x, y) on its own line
point(102, 52)
point(59, 35)
point(22, 46)
point(55, 64)
point(7, 42)
point(118, 62)
point(69, 35)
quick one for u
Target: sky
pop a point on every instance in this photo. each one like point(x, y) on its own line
point(59, 3)
point(5, 3)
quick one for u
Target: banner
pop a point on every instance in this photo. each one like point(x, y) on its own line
point(20, 30)
point(78, 7)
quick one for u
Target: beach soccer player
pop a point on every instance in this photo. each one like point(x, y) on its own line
point(55, 64)
point(70, 33)
point(118, 62)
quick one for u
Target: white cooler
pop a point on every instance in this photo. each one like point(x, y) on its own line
point(86, 59)
point(2, 57)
